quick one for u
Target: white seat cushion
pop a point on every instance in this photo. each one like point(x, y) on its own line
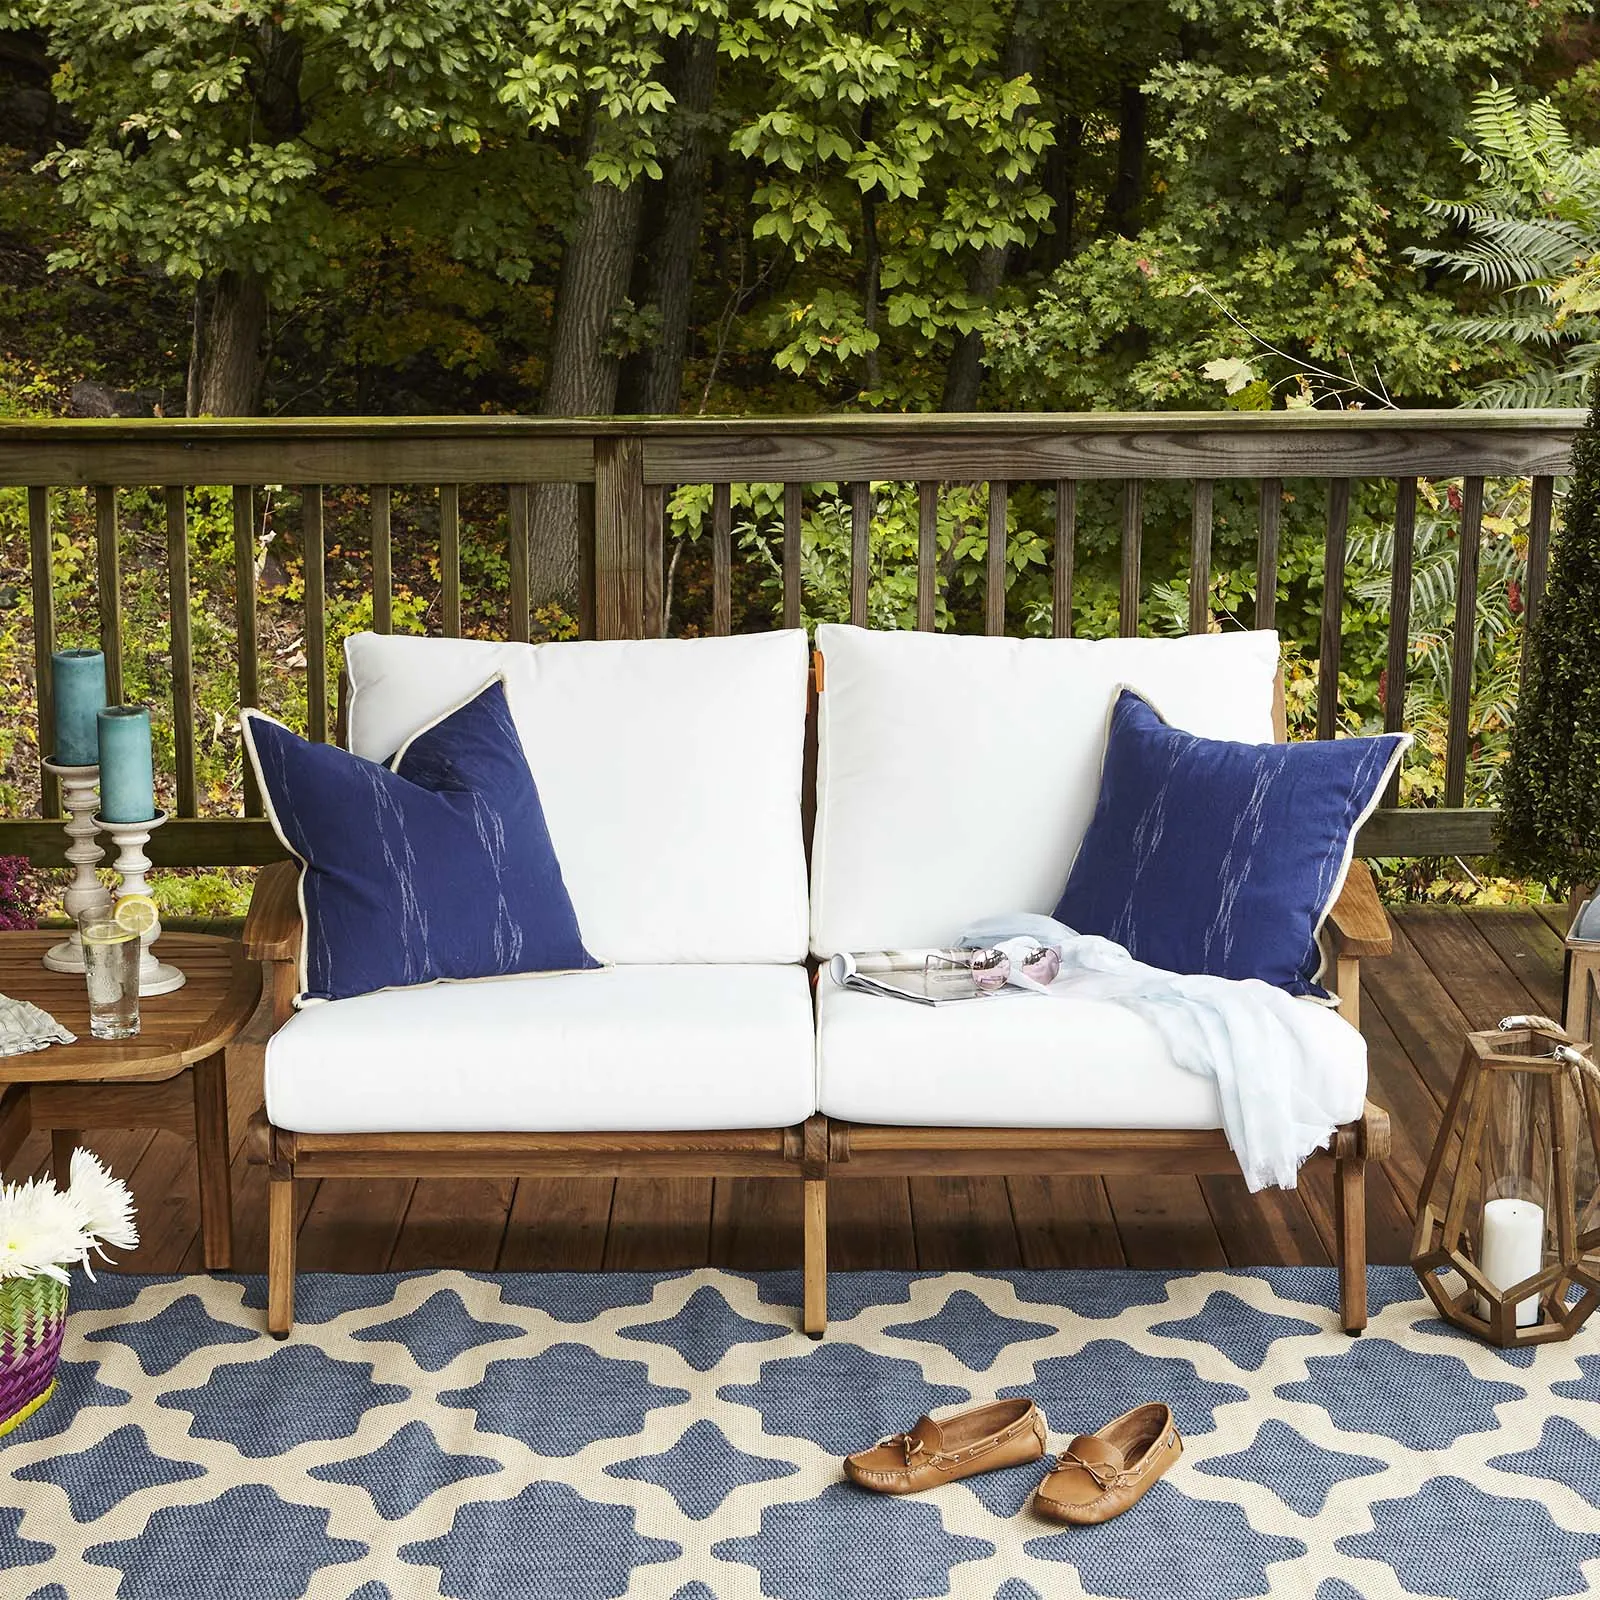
point(629, 1049)
point(956, 776)
point(1021, 1061)
point(669, 770)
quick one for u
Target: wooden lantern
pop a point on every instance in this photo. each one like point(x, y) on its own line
point(1582, 1007)
point(1504, 1233)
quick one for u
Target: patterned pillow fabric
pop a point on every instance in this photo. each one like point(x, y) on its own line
point(439, 868)
point(1208, 856)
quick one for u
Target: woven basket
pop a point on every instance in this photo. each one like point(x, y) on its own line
point(33, 1317)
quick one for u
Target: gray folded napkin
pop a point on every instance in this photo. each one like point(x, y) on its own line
point(24, 1027)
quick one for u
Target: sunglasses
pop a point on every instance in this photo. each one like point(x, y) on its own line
point(991, 969)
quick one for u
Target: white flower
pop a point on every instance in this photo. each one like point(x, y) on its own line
point(102, 1202)
point(43, 1232)
point(40, 1232)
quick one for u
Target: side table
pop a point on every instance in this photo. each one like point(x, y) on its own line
point(171, 1076)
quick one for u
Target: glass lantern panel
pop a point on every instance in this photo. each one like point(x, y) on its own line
point(1516, 1238)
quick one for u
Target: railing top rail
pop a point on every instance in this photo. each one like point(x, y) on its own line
point(865, 424)
point(939, 445)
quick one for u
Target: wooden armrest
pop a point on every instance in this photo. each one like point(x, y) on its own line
point(1358, 922)
point(272, 924)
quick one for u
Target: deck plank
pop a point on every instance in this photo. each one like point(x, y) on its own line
point(352, 1224)
point(1163, 1222)
point(870, 1226)
point(1530, 948)
point(658, 1224)
point(755, 1223)
point(557, 1225)
point(1064, 1222)
point(963, 1224)
point(454, 1222)
point(1270, 1229)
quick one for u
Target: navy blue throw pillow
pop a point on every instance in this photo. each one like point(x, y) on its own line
point(1205, 855)
point(440, 868)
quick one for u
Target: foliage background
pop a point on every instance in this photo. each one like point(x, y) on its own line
point(1035, 204)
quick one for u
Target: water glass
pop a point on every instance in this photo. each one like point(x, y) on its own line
point(111, 966)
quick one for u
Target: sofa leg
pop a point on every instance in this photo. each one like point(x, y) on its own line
point(280, 1254)
point(816, 1257)
point(1350, 1231)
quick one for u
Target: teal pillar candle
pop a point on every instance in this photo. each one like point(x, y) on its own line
point(127, 773)
point(78, 688)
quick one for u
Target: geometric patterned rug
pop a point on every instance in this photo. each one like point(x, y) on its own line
point(573, 1436)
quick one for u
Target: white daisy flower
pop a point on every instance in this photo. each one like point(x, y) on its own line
point(44, 1232)
point(103, 1201)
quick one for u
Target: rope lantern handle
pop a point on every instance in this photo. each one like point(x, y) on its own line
point(1580, 1065)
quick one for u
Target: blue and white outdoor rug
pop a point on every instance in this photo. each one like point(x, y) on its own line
point(571, 1437)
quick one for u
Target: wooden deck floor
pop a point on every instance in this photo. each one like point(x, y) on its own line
point(1451, 970)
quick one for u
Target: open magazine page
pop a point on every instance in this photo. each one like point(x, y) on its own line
point(905, 975)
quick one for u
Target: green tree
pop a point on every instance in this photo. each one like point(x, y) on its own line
point(1532, 226)
point(217, 143)
point(1550, 822)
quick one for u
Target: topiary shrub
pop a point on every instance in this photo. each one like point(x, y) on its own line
point(1550, 822)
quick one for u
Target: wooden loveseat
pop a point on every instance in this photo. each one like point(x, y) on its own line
point(696, 1052)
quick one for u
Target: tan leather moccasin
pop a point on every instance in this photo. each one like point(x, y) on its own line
point(1099, 1475)
point(1003, 1434)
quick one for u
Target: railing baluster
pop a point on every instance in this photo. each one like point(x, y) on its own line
point(860, 550)
point(1394, 697)
point(450, 559)
point(793, 516)
point(1200, 557)
point(182, 649)
point(655, 554)
point(1330, 647)
point(994, 591)
point(108, 575)
point(586, 563)
point(927, 555)
point(721, 559)
point(44, 638)
point(382, 562)
point(517, 555)
point(244, 614)
point(1465, 645)
point(1066, 546)
point(619, 496)
point(1132, 533)
point(1270, 516)
point(1538, 569)
point(316, 614)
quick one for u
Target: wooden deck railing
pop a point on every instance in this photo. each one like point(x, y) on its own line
point(622, 469)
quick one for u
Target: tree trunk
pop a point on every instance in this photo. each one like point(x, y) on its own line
point(964, 375)
point(1061, 179)
point(581, 377)
point(1127, 192)
point(664, 278)
point(226, 351)
point(225, 367)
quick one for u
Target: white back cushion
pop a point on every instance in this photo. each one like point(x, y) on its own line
point(669, 771)
point(956, 776)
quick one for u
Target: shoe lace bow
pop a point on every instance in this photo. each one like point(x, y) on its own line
point(909, 1443)
point(1105, 1477)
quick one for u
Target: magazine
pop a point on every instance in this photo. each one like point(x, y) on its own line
point(908, 975)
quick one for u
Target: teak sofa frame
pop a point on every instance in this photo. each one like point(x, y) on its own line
point(813, 1152)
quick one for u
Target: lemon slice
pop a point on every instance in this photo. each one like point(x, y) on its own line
point(105, 933)
point(136, 913)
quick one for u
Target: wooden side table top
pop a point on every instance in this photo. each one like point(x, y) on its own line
point(175, 1029)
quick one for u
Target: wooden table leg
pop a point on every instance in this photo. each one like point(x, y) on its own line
point(63, 1141)
point(211, 1161)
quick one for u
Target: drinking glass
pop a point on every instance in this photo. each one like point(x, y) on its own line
point(111, 966)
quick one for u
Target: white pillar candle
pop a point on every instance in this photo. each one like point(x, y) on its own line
point(1513, 1249)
